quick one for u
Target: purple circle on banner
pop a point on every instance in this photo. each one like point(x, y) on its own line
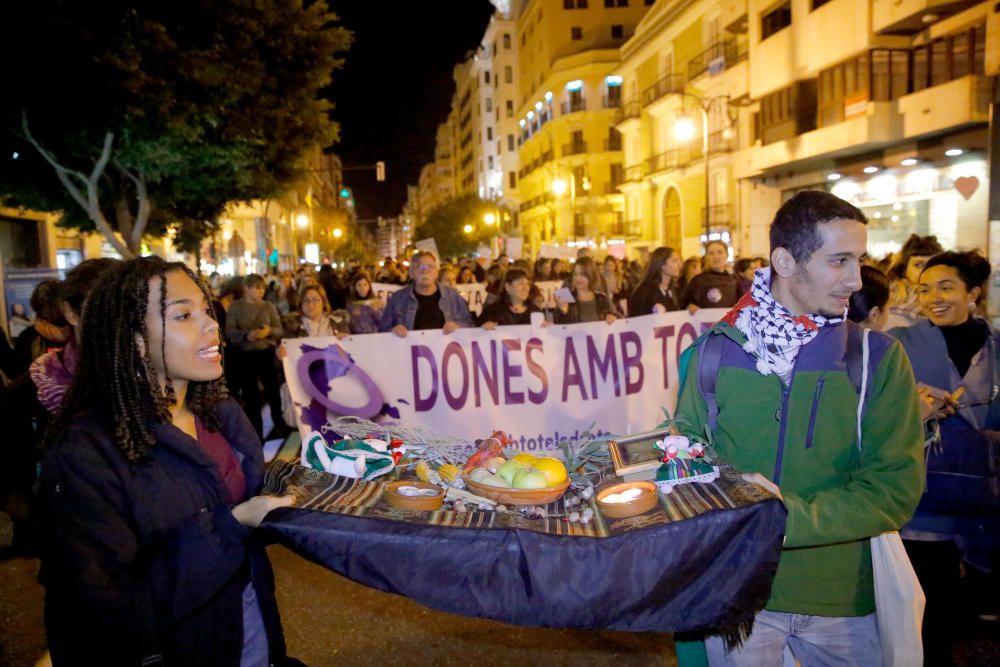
point(338, 360)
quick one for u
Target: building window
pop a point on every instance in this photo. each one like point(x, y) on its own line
point(616, 174)
point(508, 74)
point(576, 33)
point(570, 4)
point(949, 58)
point(789, 112)
point(510, 142)
point(775, 20)
point(489, 161)
point(486, 76)
point(489, 134)
point(623, 3)
point(512, 179)
point(506, 41)
point(816, 4)
point(649, 3)
point(617, 31)
point(510, 108)
point(489, 105)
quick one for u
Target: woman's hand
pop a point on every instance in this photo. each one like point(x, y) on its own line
point(251, 512)
point(281, 351)
point(610, 317)
point(659, 308)
point(692, 309)
point(489, 326)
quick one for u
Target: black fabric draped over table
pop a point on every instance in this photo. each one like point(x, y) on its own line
point(702, 561)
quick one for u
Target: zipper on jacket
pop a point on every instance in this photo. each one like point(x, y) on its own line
point(786, 391)
point(814, 411)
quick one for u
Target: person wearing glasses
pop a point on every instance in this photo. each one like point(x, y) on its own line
point(425, 303)
point(314, 317)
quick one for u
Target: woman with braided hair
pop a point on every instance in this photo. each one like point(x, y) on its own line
point(149, 483)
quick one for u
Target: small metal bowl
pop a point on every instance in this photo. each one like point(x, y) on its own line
point(424, 503)
point(641, 504)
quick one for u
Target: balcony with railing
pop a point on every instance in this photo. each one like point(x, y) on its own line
point(613, 143)
point(630, 109)
point(611, 102)
point(611, 187)
point(632, 173)
point(669, 160)
point(719, 215)
point(574, 148)
point(668, 85)
point(717, 58)
point(572, 106)
point(625, 228)
point(722, 141)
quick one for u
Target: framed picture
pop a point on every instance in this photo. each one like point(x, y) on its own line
point(635, 453)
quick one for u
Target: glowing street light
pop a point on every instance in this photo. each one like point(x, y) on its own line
point(337, 232)
point(489, 218)
point(302, 220)
point(559, 187)
point(684, 129)
point(467, 229)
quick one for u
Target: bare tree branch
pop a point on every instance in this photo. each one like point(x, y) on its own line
point(90, 203)
point(142, 216)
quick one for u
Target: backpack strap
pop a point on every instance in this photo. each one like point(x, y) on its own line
point(709, 360)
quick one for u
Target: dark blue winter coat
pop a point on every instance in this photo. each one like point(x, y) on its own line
point(147, 558)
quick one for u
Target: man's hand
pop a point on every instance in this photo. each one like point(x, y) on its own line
point(763, 482)
point(449, 327)
point(263, 332)
point(489, 326)
point(399, 330)
point(251, 512)
point(692, 308)
point(936, 403)
point(659, 308)
point(610, 317)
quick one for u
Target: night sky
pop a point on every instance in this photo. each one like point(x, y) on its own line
point(396, 87)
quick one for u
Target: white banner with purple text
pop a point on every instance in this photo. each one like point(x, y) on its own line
point(539, 384)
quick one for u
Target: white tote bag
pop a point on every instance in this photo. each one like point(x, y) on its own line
point(899, 600)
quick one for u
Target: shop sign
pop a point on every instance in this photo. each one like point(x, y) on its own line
point(855, 105)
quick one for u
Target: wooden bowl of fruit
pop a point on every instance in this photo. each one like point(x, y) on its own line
point(523, 480)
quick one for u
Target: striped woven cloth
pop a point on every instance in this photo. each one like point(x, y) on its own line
point(324, 492)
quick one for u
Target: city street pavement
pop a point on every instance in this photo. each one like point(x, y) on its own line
point(330, 621)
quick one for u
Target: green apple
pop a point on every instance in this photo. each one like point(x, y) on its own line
point(509, 469)
point(490, 479)
point(529, 478)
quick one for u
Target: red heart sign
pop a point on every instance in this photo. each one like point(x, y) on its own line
point(966, 186)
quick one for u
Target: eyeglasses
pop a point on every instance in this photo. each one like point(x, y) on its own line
point(313, 300)
point(424, 267)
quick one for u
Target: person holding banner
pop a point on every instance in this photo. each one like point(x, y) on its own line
point(588, 304)
point(424, 303)
point(515, 305)
point(658, 293)
point(363, 307)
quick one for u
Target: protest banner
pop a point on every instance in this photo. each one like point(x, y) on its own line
point(539, 384)
point(556, 252)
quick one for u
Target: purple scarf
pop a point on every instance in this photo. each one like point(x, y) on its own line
point(52, 374)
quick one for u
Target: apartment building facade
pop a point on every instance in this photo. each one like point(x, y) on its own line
point(884, 103)
point(568, 145)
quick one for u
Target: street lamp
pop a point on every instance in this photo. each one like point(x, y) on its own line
point(337, 232)
point(467, 229)
point(684, 131)
point(302, 220)
point(559, 187)
point(489, 218)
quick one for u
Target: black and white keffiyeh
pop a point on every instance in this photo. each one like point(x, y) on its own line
point(774, 335)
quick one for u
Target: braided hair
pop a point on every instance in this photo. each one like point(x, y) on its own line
point(114, 380)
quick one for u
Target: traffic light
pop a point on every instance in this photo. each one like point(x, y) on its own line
point(345, 193)
point(380, 171)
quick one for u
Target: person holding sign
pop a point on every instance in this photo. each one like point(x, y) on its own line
point(658, 293)
point(583, 302)
point(425, 304)
point(514, 306)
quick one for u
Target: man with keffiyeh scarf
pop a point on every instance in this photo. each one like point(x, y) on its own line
point(786, 415)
